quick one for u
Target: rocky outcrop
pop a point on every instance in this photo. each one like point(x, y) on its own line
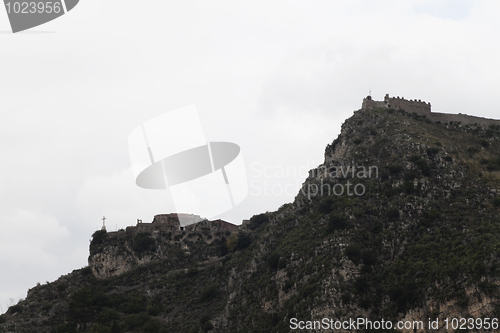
point(118, 252)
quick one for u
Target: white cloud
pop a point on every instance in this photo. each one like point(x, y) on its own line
point(118, 198)
point(26, 238)
point(33, 248)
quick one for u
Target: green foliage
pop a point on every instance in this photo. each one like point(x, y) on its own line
point(85, 303)
point(423, 166)
point(232, 242)
point(390, 191)
point(46, 306)
point(133, 303)
point(408, 187)
point(484, 143)
point(86, 271)
point(244, 241)
point(239, 241)
point(143, 242)
point(392, 214)
point(325, 205)
point(494, 127)
point(153, 326)
point(492, 166)
point(98, 237)
point(432, 151)
point(107, 315)
point(404, 296)
point(115, 328)
point(433, 214)
point(336, 222)
point(472, 150)
point(369, 258)
point(208, 293)
point(496, 202)
point(395, 169)
point(208, 326)
point(489, 288)
point(65, 328)
point(15, 309)
point(353, 252)
point(257, 220)
point(282, 263)
point(135, 320)
point(273, 260)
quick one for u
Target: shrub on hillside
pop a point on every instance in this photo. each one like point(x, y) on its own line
point(432, 151)
point(257, 220)
point(208, 293)
point(143, 242)
point(98, 237)
point(484, 143)
point(496, 202)
point(392, 214)
point(238, 241)
point(336, 222)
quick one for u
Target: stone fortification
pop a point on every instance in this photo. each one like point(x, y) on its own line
point(398, 103)
point(424, 109)
point(216, 225)
point(164, 223)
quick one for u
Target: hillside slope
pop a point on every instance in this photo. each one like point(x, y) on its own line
point(415, 234)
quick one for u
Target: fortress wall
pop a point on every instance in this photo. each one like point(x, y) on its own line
point(131, 231)
point(165, 227)
point(424, 109)
point(464, 119)
point(419, 107)
point(369, 103)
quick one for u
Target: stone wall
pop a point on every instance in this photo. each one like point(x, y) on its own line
point(464, 119)
point(216, 225)
point(177, 218)
point(397, 103)
point(369, 103)
point(424, 109)
point(164, 223)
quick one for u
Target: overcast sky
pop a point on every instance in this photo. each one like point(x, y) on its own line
point(277, 78)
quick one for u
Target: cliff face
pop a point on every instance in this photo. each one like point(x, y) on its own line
point(400, 222)
point(112, 254)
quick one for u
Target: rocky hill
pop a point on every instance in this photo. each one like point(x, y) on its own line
point(400, 223)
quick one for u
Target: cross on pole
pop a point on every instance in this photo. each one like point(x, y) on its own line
point(103, 223)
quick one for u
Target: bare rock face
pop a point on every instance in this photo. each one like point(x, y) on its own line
point(113, 261)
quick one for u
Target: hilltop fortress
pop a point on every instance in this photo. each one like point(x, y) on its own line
point(164, 223)
point(424, 109)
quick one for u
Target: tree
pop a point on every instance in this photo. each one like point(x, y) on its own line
point(232, 242)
